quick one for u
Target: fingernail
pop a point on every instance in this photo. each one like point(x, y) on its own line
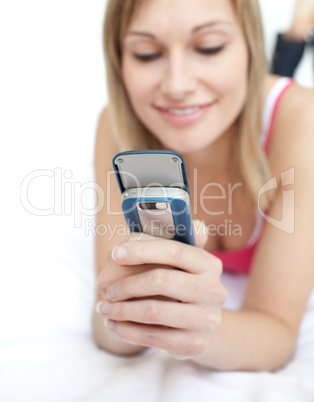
point(119, 253)
point(97, 307)
point(111, 293)
point(110, 324)
point(103, 308)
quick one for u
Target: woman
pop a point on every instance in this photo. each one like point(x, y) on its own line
point(191, 77)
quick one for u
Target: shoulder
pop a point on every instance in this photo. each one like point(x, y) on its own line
point(296, 106)
point(294, 99)
point(109, 215)
point(293, 131)
point(105, 146)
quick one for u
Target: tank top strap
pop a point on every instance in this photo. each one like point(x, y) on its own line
point(271, 107)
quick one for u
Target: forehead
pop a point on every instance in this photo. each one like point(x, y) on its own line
point(168, 16)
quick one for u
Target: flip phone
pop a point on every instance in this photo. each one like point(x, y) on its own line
point(155, 193)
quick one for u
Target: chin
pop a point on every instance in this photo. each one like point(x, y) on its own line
point(184, 144)
point(189, 138)
point(185, 148)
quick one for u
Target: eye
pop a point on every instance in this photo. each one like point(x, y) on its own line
point(147, 57)
point(210, 50)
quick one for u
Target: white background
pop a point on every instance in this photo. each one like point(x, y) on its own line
point(52, 89)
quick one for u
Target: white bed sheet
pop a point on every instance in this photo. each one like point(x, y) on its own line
point(62, 363)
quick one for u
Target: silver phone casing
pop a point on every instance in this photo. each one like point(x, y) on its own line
point(150, 170)
point(157, 222)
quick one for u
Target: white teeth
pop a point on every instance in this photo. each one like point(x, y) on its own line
point(184, 111)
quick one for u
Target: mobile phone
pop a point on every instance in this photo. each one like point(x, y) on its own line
point(155, 193)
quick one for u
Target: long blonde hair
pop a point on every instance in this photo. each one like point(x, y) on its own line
point(250, 163)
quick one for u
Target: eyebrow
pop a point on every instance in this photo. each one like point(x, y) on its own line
point(194, 30)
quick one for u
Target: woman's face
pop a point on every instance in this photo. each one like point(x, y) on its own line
point(185, 69)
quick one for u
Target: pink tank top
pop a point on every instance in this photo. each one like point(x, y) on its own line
point(239, 261)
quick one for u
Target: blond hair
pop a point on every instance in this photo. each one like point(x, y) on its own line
point(250, 163)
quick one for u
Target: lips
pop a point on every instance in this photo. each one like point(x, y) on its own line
point(182, 107)
point(183, 115)
point(184, 111)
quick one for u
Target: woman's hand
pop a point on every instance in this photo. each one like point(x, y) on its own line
point(162, 294)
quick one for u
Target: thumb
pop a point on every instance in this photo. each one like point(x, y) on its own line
point(200, 233)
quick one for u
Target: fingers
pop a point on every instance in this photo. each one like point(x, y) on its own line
point(112, 271)
point(116, 268)
point(200, 233)
point(140, 273)
point(164, 313)
point(174, 284)
point(167, 252)
point(180, 343)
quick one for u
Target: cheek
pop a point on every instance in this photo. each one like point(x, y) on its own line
point(233, 70)
point(232, 79)
point(137, 82)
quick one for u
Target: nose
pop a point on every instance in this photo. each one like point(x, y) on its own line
point(179, 80)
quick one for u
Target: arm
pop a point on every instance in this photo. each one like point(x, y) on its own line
point(105, 148)
point(263, 334)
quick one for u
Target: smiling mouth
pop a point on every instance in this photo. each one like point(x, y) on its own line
point(181, 111)
point(181, 116)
